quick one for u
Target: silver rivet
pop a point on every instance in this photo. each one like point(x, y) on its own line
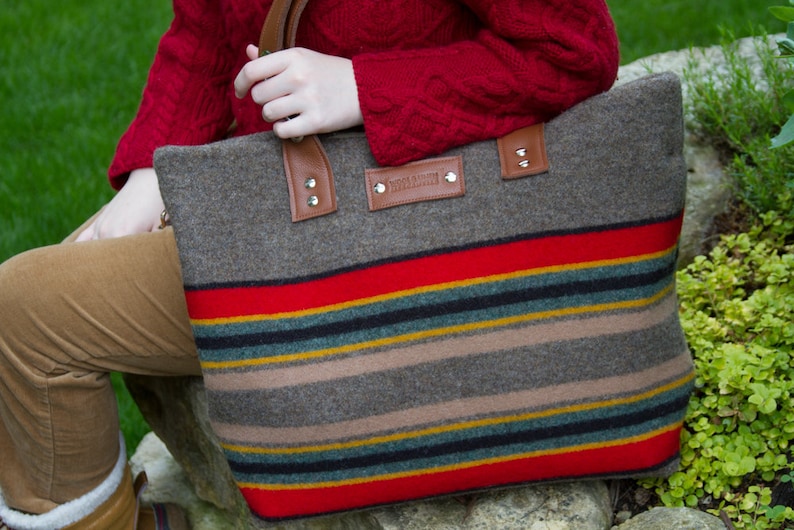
point(451, 177)
point(379, 188)
point(313, 201)
point(524, 163)
point(310, 183)
point(521, 151)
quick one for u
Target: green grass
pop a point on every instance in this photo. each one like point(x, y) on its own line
point(649, 26)
point(72, 72)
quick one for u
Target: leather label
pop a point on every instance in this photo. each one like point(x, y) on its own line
point(424, 180)
point(523, 152)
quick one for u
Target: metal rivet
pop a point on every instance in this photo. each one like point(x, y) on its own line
point(524, 163)
point(379, 188)
point(313, 201)
point(310, 183)
point(521, 151)
point(451, 177)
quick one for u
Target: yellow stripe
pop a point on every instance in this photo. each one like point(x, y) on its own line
point(429, 289)
point(445, 331)
point(461, 466)
point(461, 426)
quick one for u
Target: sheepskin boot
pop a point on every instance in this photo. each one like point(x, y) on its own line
point(113, 505)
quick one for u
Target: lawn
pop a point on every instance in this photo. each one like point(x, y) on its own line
point(652, 26)
point(72, 72)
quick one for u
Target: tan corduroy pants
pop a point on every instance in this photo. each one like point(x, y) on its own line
point(69, 315)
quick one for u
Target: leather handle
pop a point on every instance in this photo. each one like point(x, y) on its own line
point(310, 179)
point(281, 25)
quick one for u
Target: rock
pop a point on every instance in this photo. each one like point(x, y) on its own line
point(708, 195)
point(176, 409)
point(672, 518)
point(168, 483)
point(709, 61)
point(569, 506)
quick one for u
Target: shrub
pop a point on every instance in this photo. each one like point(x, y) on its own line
point(737, 310)
point(737, 111)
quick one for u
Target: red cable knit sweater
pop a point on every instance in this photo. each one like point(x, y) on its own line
point(431, 74)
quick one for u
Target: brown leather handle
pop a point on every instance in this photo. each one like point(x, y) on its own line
point(281, 25)
point(310, 179)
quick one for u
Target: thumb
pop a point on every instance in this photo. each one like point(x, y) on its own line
point(252, 52)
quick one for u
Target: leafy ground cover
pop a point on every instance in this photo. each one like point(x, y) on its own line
point(737, 309)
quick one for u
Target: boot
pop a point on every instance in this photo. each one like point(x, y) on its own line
point(113, 505)
point(118, 512)
point(123, 511)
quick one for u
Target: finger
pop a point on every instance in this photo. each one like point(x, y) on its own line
point(256, 71)
point(295, 127)
point(271, 90)
point(252, 52)
point(86, 235)
point(282, 108)
point(92, 230)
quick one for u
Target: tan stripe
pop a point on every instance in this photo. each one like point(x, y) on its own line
point(438, 351)
point(458, 410)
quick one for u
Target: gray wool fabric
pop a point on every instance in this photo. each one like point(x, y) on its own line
point(614, 158)
point(527, 330)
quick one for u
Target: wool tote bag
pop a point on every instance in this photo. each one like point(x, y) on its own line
point(502, 314)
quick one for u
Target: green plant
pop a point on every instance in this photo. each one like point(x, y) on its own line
point(735, 109)
point(737, 310)
point(786, 47)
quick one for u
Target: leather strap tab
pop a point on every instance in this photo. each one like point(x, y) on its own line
point(424, 180)
point(309, 179)
point(523, 152)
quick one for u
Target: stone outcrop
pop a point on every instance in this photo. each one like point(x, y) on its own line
point(187, 466)
point(574, 506)
point(669, 518)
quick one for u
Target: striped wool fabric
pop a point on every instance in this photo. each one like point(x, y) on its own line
point(525, 332)
point(471, 367)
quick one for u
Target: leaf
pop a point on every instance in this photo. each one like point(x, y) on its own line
point(786, 14)
point(786, 46)
point(786, 135)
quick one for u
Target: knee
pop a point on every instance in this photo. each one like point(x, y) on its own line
point(16, 280)
point(25, 291)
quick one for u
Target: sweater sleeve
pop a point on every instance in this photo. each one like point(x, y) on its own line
point(184, 101)
point(531, 60)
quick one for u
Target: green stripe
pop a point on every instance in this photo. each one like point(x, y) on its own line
point(408, 307)
point(381, 465)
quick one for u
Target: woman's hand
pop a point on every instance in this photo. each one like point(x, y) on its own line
point(136, 208)
point(302, 92)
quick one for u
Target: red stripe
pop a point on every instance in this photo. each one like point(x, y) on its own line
point(432, 270)
point(620, 459)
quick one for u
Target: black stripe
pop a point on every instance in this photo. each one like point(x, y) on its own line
point(625, 472)
point(419, 313)
point(433, 252)
point(577, 427)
